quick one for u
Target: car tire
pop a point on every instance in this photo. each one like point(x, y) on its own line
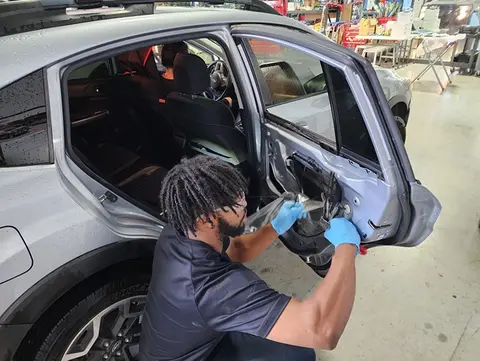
point(95, 308)
point(402, 127)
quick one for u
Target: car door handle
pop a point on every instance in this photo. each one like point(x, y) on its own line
point(98, 115)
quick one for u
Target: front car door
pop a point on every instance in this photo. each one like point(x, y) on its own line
point(328, 133)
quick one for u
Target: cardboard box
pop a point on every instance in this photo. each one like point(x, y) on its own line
point(367, 27)
point(346, 14)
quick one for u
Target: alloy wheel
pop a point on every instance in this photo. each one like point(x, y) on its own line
point(112, 335)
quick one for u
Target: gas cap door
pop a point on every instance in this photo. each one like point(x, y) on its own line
point(15, 258)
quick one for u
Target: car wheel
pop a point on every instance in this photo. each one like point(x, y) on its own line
point(101, 324)
point(401, 127)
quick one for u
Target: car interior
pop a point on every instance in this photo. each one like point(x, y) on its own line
point(127, 134)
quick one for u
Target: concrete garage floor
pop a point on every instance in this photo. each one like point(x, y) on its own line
point(421, 303)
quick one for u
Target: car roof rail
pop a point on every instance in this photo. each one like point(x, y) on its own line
point(21, 16)
point(29, 15)
point(79, 4)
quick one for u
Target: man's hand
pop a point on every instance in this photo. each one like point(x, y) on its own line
point(342, 231)
point(287, 215)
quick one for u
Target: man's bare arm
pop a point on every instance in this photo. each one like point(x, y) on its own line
point(319, 320)
point(247, 247)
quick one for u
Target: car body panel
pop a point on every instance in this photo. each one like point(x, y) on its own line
point(54, 227)
point(395, 87)
point(393, 84)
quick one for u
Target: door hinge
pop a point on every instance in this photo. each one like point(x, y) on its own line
point(108, 196)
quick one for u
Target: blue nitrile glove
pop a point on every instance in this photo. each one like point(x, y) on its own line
point(342, 231)
point(287, 215)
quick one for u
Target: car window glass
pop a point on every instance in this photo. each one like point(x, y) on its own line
point(296, 88)
point(353, 130)
point(212, 45)
point(302, 90)
point(207, 58)
point(96, 70)
point(23, 122)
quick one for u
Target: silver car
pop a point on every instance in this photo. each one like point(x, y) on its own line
point(86, 137)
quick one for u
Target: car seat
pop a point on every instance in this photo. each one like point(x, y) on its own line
point(207, 125)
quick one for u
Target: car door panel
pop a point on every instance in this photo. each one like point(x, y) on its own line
point(381, 196)
point(371, 202)
point(89, 100)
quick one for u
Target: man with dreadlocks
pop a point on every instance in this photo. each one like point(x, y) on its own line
point(204, 304)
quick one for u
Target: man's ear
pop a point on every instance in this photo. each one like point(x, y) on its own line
point(210, 221)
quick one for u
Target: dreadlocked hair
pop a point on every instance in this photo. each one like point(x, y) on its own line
point(196, 188)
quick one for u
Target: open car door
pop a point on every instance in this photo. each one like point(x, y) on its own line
point(331, 140)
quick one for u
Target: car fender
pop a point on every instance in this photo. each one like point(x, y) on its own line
point(399, 98)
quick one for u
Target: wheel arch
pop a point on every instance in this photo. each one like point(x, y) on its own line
point(43, 296)
point(400, 107)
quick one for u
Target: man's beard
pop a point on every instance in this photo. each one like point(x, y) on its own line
point(230, 230)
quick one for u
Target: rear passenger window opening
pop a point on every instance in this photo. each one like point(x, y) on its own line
point(131, 118)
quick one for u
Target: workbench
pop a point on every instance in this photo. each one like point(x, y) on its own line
point(403, 43)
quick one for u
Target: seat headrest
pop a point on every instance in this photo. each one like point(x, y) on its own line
point(190, 74)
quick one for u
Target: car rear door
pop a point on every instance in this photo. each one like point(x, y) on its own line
point(328, 133)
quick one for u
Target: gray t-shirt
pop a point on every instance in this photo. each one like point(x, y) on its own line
point(196, 295)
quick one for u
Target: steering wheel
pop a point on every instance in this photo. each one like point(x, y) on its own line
point(219, 80)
